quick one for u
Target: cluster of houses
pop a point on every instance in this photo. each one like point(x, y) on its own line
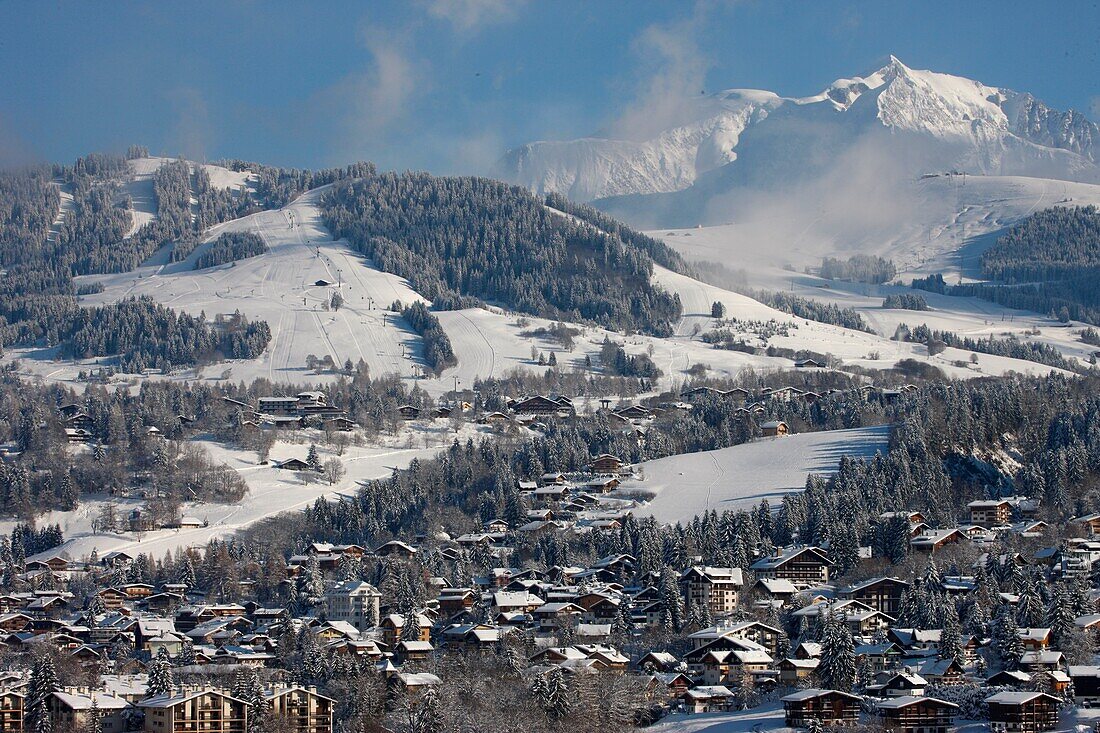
point(302, 410)
point(120, 702)
point(79, 427)
point(574, 616)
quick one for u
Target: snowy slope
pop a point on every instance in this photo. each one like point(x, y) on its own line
point(948, 121)
point(271, 491)
point(691, 484)
point(279, 287)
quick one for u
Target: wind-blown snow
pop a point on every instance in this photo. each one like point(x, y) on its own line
point(692, 484)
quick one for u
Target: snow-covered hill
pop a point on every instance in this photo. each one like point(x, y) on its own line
point(281, 287)
point(926, 121)
point(690, 484)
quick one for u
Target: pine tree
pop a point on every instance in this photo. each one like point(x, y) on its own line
point(160, 675)
point(837, 668)
point(96, 725)
point(42, 684)
point(426, 717)
point(1060, 616)
point(312, 458)
point(668, 591)
point(950, 645)
point(1006, 639)
point(187, 653)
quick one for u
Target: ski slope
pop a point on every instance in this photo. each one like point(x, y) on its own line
point(279, 287)
point(690, 484)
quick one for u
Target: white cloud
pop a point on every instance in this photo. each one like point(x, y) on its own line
point(191, 132)
point(366, 106)
point(674, 71)
point(466, 15)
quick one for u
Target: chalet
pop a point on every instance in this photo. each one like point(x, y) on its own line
point(11, 711)
point(903, 683)
point(195, 709)
point(773, 591)
point(990, 512)
point(774, 428)
point(301, 709)
point(78, 435)
point(881, 594)
point(293, 464)
point(1022, 712)
point(942, 671)
point(602, 485)
point(798, 564)
point(808, 364)
point(698, 392)
point(880, 657)
point(72, 708)
point(658, 661)
point(718, 588)
point(605, 463)
point(1009, 678)
point(793, 671)
point(634, 412)
point(395, 548)
point(539, 405)
point(911, 714)
point(667, 686)
point(414, 651)
point(1086, 683)
point(341, 424)
point(408, 412)
point(934, 539)
point(1091, 522)
point(827, 707)
point(707, 699)
point(1035, 661)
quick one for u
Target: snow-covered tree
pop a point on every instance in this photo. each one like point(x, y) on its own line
point(160, 674)
point(837, 670)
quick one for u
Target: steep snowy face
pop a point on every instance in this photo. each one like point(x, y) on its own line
point(938, 120)
point(597, 167)
point(1031, 119)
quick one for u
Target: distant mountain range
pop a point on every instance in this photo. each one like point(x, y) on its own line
point(893, 124)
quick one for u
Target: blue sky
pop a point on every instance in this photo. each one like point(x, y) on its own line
point(448, 85)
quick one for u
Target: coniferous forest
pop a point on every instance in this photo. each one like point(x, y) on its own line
point(482, 238)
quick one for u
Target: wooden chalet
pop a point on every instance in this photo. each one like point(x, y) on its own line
point(11, 711)
point(606, 463)
point(827, 707)
point(1022, 711)
point(910, 714)
point(301, 709)
point(798, 564)
point(881, 594)
point(774, 429)
point(540, 405)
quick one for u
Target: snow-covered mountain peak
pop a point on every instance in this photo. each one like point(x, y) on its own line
point(938, 121)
